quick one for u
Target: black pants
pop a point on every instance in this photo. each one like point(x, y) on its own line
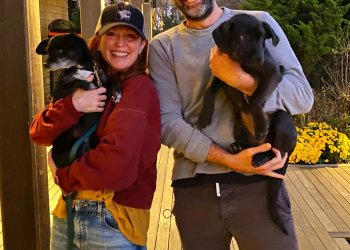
point(207, 221)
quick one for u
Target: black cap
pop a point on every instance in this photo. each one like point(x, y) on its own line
point(122, 13)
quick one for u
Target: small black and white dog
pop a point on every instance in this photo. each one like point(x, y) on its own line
point(70, 54)
point(243, 38)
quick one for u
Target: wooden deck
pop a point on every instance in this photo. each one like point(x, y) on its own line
point(320, 205)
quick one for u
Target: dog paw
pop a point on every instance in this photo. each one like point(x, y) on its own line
point(235, 148)
point(261, 158)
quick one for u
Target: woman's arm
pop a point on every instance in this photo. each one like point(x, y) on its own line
point(57, 117)
point(128, 144)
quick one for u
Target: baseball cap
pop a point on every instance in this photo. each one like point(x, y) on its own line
point(122, 13)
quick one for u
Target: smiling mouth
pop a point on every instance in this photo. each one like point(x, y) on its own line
point(120, 53)
point(191, 2)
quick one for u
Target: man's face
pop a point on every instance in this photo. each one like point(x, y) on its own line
point(195, 10)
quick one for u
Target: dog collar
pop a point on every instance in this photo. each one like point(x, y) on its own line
point(99, 83)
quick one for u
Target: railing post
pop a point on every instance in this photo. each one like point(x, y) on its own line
point(89, 13)
point(147, 13)
point(23, 176)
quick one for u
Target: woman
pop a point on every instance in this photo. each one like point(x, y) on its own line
point(115, 182)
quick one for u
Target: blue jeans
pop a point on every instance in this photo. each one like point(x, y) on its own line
point(94, 228)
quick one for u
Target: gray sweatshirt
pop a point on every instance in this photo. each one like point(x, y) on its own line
point(179, 66)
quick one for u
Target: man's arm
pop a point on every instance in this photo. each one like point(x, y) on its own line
point(176, 132)
point(292, 94)
point(221, 62)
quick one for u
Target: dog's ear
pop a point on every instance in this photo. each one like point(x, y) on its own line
point(41, 49)
point(270, 33)
point(221, 36)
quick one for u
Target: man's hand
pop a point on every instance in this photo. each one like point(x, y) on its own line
point(89, 101)
point(231, 72)
point(242, 162)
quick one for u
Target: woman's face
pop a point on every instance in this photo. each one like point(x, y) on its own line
point(120, 46)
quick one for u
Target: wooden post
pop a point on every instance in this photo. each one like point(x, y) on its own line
point(147, 13)
point(137, 3)
point(89, 13)
point(23, 175)
point(146, 8)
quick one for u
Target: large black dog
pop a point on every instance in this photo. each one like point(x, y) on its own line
point(70, 54)
point(243, 38)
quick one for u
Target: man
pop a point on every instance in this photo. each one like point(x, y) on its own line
point(219, 195)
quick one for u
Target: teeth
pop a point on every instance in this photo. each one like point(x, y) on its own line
point(120, 53)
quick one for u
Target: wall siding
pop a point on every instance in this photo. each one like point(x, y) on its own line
point(49, 11)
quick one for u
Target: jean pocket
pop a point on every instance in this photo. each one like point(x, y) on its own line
point(110, 222)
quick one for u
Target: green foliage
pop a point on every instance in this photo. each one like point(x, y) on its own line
point(347, 15)
point(332, 100)
point(342, 123)
point(164, 16)
point(312, 27)
point(230, 4)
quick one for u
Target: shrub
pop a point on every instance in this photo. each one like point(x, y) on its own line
point(164, 16)
point(311, 26)
point(336, 81)
point(332, 99)
point(319, 143)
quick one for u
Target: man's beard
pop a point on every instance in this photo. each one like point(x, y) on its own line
point(196, 14)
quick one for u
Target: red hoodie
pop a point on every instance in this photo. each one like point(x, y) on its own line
point(125, 158)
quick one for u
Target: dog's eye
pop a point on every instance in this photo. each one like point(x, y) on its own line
point(59, 52)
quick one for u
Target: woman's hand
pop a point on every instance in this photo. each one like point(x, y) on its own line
point(52, 164)
point(231, 72)
point(89, 101)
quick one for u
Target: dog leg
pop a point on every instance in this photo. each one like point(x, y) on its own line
point(276, 214)
point(260, 159)
point(274, 210)
point(283, 132)
point(206, 114)
point(282, 136)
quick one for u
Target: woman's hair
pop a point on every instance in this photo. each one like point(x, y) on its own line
point(139, 67)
